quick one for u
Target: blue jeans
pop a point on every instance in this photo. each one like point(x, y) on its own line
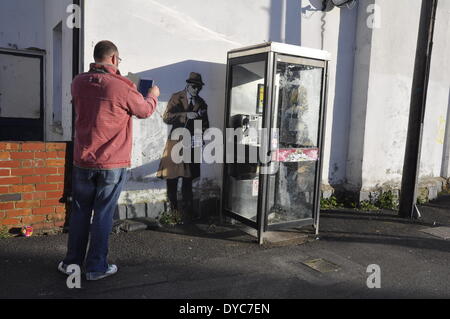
point(94, 191)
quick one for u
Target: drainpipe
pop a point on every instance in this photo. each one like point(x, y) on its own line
point(69, 151)
point(411, 166)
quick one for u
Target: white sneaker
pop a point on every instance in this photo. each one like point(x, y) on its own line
point(91, 276)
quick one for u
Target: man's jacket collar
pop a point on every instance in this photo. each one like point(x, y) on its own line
point(104, 68)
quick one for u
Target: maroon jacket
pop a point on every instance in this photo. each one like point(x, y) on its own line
point(104, 104)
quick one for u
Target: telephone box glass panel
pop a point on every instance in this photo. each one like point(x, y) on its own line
point(298, 98)
point(244, 122)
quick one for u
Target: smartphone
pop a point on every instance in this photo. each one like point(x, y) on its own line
point(145, 85)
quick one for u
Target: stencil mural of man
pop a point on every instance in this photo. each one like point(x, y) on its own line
point(183, 109)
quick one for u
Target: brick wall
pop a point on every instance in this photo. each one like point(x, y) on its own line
point(32, 185)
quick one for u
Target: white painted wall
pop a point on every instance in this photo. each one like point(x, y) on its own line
point(165, 40)
point(390, 82)
point(55, 12)
point(14, 33)
point(359, 96)
point(384, 68)
point(28, 24)
point(370, 72)
point(338, 107)
point(437, 108)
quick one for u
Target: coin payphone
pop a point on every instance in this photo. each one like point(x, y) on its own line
point(275, 107)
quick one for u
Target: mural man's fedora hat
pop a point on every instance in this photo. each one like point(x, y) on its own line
point(195, 78)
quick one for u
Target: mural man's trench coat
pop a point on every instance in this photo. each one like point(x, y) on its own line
point(176, 115)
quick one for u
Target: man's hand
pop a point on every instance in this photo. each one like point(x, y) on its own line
point(154, 91)
point(192, 115)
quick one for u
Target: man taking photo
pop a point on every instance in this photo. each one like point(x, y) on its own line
point(104, 104)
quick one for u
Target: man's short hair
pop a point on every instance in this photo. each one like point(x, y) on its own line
point(104, 49)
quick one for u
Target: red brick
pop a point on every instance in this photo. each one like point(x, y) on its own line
point(26, 164)
point(10, 180)
point(41, 155)
point(18, 213)
point(5, 146)
point(4, 156)
point(33, 180)
point(22, 171)
point(27, 196)
point(53, 195)
point(55, 179)
point(46, 171)
point(61, 154)
point(61, 187)
point(53, 155)
point(10, 222)
point(55, 162)
point(30, 163)
point(39, 163)
point(21, 188)
point(60, 209)
point(61, 170)
point(4, 189)
point(45, 155)
point(28, 204)
point(50, 202)
point(9, 164)
point(56, 217)
point(22, 155)
point(6, 206)
point(56, 146)
point(39, 195)
point(5, 172)
point(47, 187)
point(59, 224)
point(33, 147)
point(43, 210)
point(31, 220)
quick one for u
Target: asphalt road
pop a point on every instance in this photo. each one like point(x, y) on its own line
point(199, 261)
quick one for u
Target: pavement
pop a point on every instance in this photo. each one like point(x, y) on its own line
point(205, 260)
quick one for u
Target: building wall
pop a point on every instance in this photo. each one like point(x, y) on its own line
point(389, 91)
point(32, 175)
point(29, 24)
point(359, 98)
point(438, 101)
point(32, 185)
point(14, 33)
point(369, 81)
point(55, 13)
point(384, 67)
point(165, 40)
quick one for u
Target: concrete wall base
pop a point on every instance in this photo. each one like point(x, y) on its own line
point(429, 189)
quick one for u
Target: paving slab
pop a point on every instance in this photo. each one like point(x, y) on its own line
point(440, 232)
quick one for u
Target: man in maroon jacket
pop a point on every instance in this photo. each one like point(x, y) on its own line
point(104, 104)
